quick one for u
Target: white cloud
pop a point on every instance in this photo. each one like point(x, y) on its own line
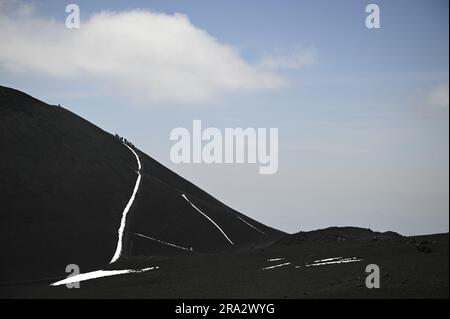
point(438, 96)
point(154, 56)
point(295, 60)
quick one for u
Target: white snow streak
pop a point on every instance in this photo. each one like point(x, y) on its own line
point(123, 222)
point(339, 261)
point(162, 242)
point(99, 274)
point(275, 259)
point(277, 266)
point(327, 259)
point(251, 225)
point(223, 233)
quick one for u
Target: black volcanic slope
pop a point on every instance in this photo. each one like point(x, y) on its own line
point(64, 184)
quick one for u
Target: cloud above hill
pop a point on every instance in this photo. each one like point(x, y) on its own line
point(155, 56)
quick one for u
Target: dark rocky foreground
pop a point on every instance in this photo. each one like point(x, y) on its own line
point(406, 272)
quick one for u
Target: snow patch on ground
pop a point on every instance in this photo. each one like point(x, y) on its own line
point(277, 266)
point(100, 274)
point(123, 222)
point(327, 259)
point(260, 231)
point(162, 242)
point(332, 261)
point(207, 217)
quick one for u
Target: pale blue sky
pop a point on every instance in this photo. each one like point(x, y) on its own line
point(361, 141)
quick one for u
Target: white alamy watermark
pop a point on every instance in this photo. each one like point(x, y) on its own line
point(235, 145)
point(373, 19)
point(73, 270)
point(73, 17)
point(373, 279)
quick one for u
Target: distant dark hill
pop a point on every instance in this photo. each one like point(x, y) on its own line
point(64, 183)
point(337, 234)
